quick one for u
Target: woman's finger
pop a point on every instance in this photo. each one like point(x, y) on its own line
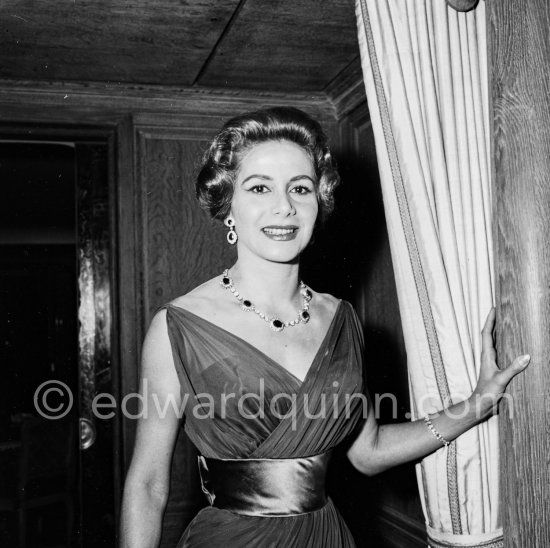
point(487, 342)
point(517, 366)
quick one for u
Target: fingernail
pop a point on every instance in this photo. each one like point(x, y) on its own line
point(525, 359)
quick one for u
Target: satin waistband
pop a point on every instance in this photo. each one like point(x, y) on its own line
point(265, 487)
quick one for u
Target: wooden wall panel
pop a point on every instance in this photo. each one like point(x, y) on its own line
point(182, 246)
point(519, 55)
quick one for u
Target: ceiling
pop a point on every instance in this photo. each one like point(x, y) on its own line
point(265, 45)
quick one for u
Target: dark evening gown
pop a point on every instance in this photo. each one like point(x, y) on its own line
point(211, 360)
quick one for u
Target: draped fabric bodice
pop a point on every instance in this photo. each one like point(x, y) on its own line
point(241, 404)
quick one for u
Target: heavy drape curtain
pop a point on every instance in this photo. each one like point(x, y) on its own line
point(425, 74)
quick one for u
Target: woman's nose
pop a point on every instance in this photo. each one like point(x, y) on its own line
point(284, 205)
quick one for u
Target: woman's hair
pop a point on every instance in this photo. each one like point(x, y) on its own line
point(222, 159)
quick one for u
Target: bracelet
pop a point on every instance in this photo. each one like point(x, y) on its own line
point(432, 429)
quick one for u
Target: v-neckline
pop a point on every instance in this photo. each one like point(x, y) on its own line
point(261, 352)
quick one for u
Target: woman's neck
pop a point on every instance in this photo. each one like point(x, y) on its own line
point(271, 284)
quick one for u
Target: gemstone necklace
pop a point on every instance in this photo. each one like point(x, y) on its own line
point(275, 323)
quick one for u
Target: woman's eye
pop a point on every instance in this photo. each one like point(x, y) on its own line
point(258, 189)
point(301, 189)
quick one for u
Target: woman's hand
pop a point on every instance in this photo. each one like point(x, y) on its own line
point(492, 381)
point(378, 448)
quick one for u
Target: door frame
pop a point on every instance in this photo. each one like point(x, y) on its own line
point(105, 356)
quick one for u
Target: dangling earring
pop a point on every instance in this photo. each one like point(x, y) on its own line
point(231, 235)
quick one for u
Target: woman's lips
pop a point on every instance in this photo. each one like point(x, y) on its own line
point(280, 233)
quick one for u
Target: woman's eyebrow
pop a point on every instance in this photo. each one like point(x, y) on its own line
point(257, 176)
point(268, 178)
point(300, 177)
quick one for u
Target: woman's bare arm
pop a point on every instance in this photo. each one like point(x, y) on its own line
point(378, 448)
point(148, 479)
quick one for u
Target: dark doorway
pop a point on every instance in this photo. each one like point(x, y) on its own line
point(54, 214)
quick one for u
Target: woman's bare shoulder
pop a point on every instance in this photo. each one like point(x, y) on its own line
point(326, 302)
point(156, 346)
point(201, 299)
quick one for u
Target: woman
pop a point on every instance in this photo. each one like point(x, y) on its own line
point(278, 365)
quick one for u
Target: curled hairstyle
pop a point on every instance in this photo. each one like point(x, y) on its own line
point(221, 161)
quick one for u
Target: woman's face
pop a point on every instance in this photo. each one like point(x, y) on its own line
point(275, 201)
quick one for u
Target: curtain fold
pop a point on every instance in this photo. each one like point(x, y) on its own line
point(425, 72)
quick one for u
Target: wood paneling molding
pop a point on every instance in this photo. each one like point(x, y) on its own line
point(175, 103)
point(347, 90)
